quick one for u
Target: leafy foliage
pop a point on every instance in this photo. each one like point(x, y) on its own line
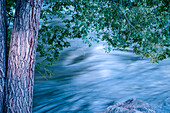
point(143, 26)
point(140, 25)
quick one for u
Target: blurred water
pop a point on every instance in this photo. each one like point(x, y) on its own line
point(88, 80)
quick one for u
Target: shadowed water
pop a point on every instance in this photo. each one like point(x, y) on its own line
point(88, 80)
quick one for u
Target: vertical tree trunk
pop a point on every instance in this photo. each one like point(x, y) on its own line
point(2, 51)
point(21, 61)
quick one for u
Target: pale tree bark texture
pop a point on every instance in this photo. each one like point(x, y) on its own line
point(22, 53)
point(3, 48)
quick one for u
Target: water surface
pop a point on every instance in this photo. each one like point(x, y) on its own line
point(88, 80)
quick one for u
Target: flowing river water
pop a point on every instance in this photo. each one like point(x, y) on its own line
point(88, 80)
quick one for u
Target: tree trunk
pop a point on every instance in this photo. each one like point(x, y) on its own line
point(22, 53)
point(3, 46)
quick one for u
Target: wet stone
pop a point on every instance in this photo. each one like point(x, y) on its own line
point(130, 106)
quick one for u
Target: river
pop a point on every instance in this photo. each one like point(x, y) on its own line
point(88, 80)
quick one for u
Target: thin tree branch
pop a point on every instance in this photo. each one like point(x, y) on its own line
point(125, 15)
point(10, 15)
point(128, 21)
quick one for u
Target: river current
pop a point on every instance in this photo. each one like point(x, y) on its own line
point(88, 80)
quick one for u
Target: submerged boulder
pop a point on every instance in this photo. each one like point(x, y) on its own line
point(130, 106)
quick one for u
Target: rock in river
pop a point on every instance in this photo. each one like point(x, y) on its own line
point(130, 106)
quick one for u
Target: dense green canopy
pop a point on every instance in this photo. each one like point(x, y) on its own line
point(141, 25)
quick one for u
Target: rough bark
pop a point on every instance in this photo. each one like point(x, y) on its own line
point(22, 53)
point(2, 51)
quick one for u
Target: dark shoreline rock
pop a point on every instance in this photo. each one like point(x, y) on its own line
point(130, 106)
